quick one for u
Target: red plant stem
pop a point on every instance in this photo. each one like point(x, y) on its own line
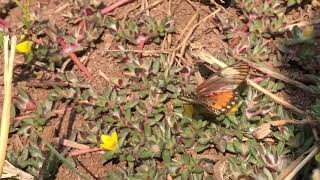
point(75, 59)
point(80, 65)
point(84, 151)
point(3, 22)
point(110, 8)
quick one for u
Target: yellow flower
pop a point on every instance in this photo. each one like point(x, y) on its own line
point(109, 143)
point(234, 109)
point(24, 47)
point(22, 36)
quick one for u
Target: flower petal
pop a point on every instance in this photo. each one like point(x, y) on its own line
point(109, 143)
point(24, 47)
point(114, 136)
point(105, 138)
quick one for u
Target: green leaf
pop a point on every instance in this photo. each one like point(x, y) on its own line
point(131, 104)
point(64, 160)
point(280, 147)
point(108, 155)
point(237, 146)
point(291, 2)
point(166, 156)
point(145, 154)
point(233, 119)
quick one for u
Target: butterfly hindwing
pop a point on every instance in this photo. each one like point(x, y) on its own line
point(219, 102)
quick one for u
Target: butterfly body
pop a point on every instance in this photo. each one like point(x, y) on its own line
point(218, 93)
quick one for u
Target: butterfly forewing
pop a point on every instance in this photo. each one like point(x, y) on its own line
point(218, 92)
point(226, 79)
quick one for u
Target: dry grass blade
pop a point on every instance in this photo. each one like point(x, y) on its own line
point(6, 110)
point(298, 164)
point(147, 8)
point(282, 122)
point(264, 130)
point(183, 44)
point(277, 75)
point(68, 143)
point(290, 168)
point(201, 54)
point(144, 52)
point(213, 157)
point(301, 24)
point(186, 28)
point(12, 172)
point(275, 98)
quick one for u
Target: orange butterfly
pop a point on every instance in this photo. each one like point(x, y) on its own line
point(218, 93)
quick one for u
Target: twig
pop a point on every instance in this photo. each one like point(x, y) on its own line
point(84, 151)
point(61, 8)
point(50, 84)
point(11, 172)
point(6, 109)
point(104, 76)
point(274, 97)
point(277, 75)
point(166, 43)
point(194, 7)
point(186, 28)
point(282, 122)
point(64, 65)
point(186, 61)
point(208, 58)
point(119, 3)
point(87, 103)
point(84, 59)
point(75, 59)
point(213, 157)
point(313, 151)
point(169, 39)
point(72, 144)
point(290, 168)
point(301, 24)
point(146, 7)
point(80, 65)
point(220, 6)
point(144, 52)
point(184, 42)
point(129, 11)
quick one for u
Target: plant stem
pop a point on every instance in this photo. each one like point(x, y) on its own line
point(6, 110)
point(314, 150)
point(75, 59)
point(110, 8)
